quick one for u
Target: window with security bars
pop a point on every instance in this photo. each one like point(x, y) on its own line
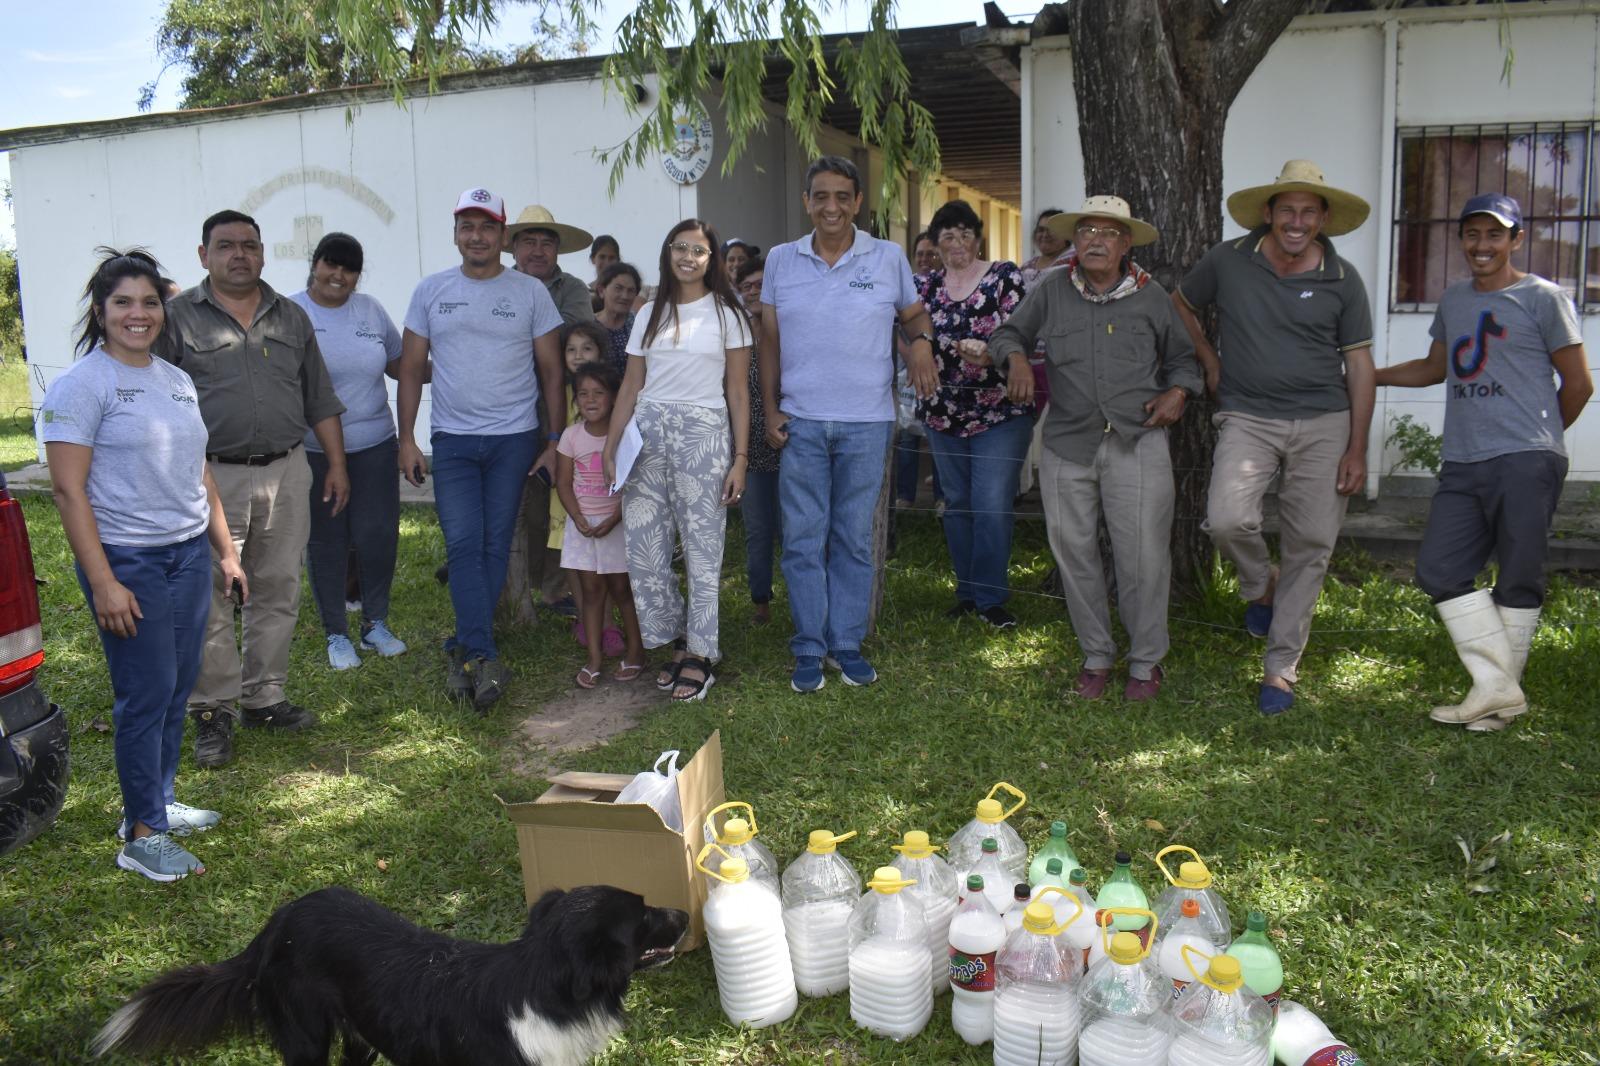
point(1548, 168)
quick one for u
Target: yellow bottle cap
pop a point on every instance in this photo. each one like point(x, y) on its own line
point(1125, 948)
point(990, 811)
point(887, 880)
point(735, 831)
point(734, 869)
point(823, 842)
point(1193, 874)
point(916, 845)
point(1037, 917)
point(1225, 973)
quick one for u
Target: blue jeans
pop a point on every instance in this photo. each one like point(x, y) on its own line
point(763, 527)
point(828, 486)
point(370, 524)
point(153, 671)
point(979, 477)
point(477, 488)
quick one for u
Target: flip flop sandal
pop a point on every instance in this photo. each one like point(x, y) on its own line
point(587, 678)
point(700, 685)
point(627, 671)
point(667, 674)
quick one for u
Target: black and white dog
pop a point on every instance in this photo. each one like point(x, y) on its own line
point(335, 964)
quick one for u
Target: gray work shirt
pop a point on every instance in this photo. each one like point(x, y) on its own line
point(1104, 361)
point(1283, 339)
point(260, 388)
point(572, 297)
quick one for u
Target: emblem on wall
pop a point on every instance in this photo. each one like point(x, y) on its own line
point(690, 156)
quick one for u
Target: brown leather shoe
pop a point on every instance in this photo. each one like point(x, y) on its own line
point(1091, 684)
point(1138, 691)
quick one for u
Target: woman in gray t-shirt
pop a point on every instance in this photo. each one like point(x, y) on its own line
point(127, 452)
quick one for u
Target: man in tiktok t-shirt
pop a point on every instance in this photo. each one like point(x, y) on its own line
point(1500, 342)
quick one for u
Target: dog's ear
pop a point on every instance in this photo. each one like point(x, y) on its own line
point(539, 913)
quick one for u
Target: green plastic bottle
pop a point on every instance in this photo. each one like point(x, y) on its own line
point(1054, 847)
point(1258, 959)
point(1121, 890)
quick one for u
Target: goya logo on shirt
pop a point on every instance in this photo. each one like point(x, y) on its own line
point(183, 397)
point(366, 332)
point(503, 308)
point(863, 279)
point(1469, 356)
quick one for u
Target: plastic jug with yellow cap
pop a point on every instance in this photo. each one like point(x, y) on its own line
point(1122, 997)
point(820, 890)
point(1216, 1020)
point(889, 993)
point(1036, 1011)
point(744, 925)
point(989, 820)
point(1193, 881)
point(737, 836)
point(936, 888)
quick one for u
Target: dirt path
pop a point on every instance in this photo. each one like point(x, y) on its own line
point(582, 718)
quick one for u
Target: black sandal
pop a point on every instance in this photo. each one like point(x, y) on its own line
point(670, 671)
point(700, 685)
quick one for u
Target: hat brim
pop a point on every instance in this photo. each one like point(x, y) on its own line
point(1063, 226)
point(1346, 210)
point(572, 238)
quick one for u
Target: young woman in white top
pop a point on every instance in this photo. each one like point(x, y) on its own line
point(687, 381)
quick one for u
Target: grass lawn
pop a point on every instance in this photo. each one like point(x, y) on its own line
point(17, 446)
point(1363, 829)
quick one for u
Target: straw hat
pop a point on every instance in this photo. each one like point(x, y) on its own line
point(1346, 210)
point(1112, 207)
point(537, 216)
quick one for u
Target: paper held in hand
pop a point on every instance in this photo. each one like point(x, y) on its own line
point(627, 453)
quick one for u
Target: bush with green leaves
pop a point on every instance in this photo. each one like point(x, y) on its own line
point(1419, 446)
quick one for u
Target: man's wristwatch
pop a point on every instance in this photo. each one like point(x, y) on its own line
point(553, 437)
point(924, 336)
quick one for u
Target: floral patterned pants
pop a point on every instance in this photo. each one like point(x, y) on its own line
point(676, 488)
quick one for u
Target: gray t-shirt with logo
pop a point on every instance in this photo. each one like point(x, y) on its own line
point(358, 341)
point(146, 477)
point(1500, 388)
point(480, 336)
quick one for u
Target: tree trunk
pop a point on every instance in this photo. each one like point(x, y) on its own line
point(1154, 80)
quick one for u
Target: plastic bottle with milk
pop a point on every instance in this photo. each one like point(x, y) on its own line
point(977, 932)
point(989, 820)
point(996, 879)
point(1123, 893)
point(1036, 1007)
point(1193, 881)
point(744, 925)
point(820, 890)
point(1021, 896)
point(1185, 933)
point(889, 993)
point(1216, 1020)
point(1122, 997)
point(938, 890)
point(737, 837)
point(1258, 959)
point(1081, 934)
point(1055, 846)
point(1301, 1039)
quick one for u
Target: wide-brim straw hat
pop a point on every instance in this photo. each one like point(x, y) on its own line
point(537, 216)
point(1112, 207)
point(1346, 210)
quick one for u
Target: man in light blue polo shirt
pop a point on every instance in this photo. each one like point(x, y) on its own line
point(827, 375)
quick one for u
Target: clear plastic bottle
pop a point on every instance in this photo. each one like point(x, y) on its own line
point(1217, 1021)
point(1122, 997)
point(1301, 1039)
point(1185, 933)
point(977, 933)
point(1123, 893)
point(744, 925)
point(737, 837)
point(1054, 847)
point(820, 890)
point(995, 876)
point(1259, 961)
point(889, 994)
point(938, 890)
point(1021, 896)
point(1036, 1009)
point(1193, 882)
point(989, 820)
point(1081, 934)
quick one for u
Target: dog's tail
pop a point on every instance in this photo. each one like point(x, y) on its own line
point(187, 1009)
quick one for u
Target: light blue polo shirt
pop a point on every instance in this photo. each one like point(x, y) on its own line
point(836, 327)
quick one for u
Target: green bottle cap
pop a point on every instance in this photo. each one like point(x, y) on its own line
point(1079, 876)
point(1256, 922)
point(1053, 867)
point(1058, 829)
point(991, 844)
point(974, 882)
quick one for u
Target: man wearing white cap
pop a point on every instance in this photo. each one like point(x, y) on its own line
point(534, 240)
point(1294, 383)
point(1121, 369)
point(488, 330)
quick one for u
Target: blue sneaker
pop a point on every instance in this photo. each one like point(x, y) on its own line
point(807, 676)
point(1274, 700)
point(158, 857)
point(182, 820)
point(853, 668)
point(376, 637)
point(341, 653)
point(1258, 619)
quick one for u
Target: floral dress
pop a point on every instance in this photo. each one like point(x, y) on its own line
point(970, 398)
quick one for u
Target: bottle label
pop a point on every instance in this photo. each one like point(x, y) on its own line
point(1178, 986)
point(1271, 999)
point(1334, 1055)
point(972, 972)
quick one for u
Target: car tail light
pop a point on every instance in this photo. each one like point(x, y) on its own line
point(21, 639)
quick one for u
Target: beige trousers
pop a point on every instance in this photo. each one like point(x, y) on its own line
point(269, 515)
point(1305, 454)
point(1131, 482)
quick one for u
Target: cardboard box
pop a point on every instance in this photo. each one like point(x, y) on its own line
point(575, 835)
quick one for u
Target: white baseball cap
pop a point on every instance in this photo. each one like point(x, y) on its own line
point(479, 199)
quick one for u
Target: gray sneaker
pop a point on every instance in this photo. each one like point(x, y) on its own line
point(489, 680)
point(182, 820)
point(158, 857)
point(457, 682)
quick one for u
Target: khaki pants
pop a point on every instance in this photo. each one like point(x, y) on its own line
point(1250, 451)
point(269, 516)
point(1131, 482)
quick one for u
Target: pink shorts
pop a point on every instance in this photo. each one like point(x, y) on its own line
point(597, 555)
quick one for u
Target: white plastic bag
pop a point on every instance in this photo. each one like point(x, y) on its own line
point(659, 789)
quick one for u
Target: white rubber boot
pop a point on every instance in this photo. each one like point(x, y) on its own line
point(1485, 650)
point(1521, 623)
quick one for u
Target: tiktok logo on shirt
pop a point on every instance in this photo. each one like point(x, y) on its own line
point(1470, 355)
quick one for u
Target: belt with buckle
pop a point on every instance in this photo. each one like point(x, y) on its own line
point(259, 459)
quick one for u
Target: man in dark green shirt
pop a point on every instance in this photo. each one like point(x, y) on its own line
point(1294, 382)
